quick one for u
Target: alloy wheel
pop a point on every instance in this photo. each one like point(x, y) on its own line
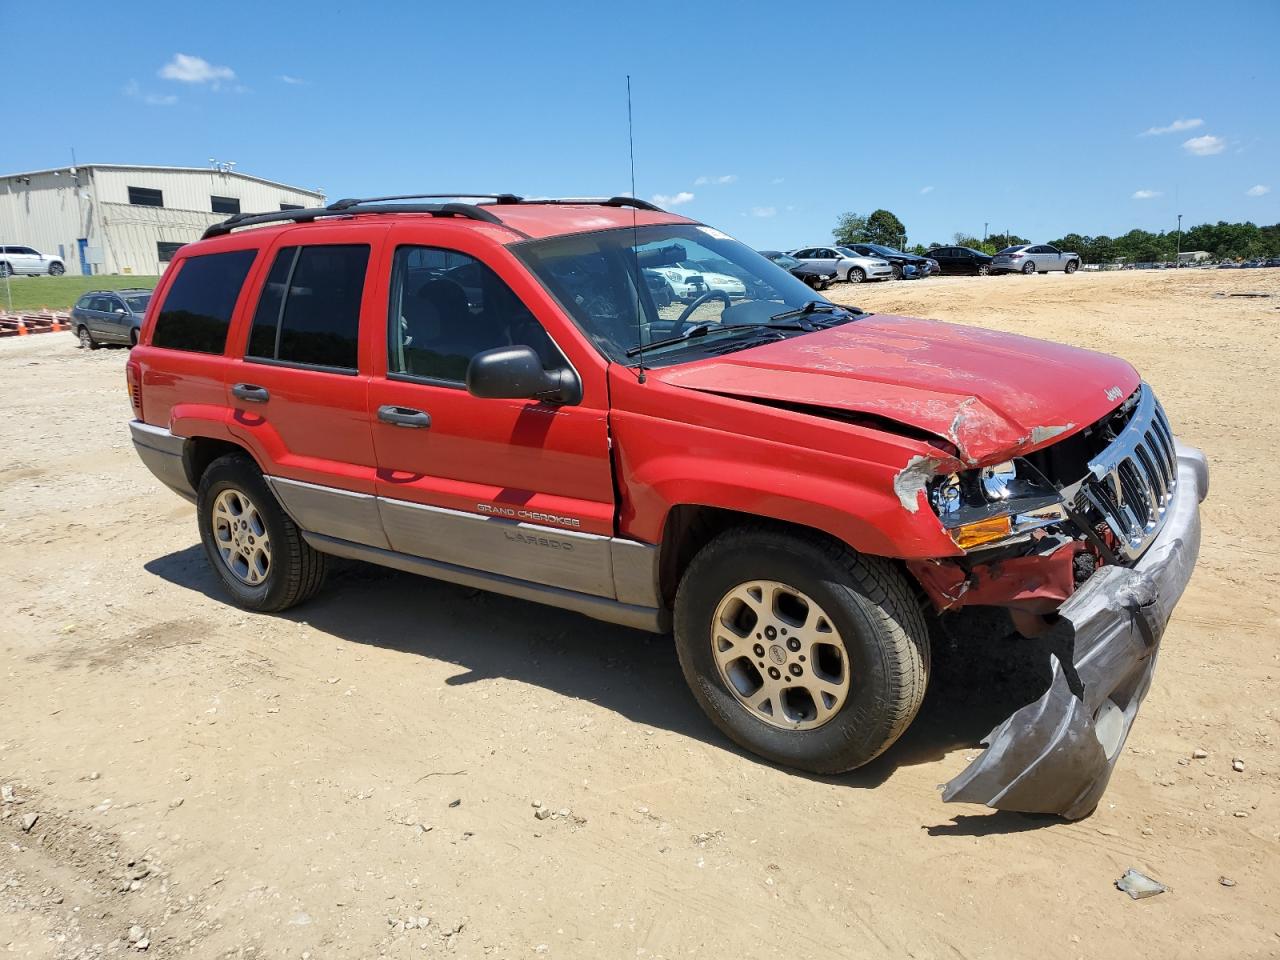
point(240, 535)
point(780, 655)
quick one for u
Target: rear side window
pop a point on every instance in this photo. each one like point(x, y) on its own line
point(309, 310)
point(196, 313)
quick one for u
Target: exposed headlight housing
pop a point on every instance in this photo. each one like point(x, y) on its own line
point(994, 504)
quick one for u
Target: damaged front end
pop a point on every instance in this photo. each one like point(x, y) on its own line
point(1094, 564)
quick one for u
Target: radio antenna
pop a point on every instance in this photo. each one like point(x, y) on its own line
point(635, 240)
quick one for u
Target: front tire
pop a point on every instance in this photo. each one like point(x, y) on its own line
point(800, 650)
point(1072, 266)
point(856, 275)
point(56, 269)
point(254, 547)
point(5, 270)
point(897, 272)
point(983, 269)
point(86, 339)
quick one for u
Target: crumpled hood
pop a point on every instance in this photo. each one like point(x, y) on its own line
point(989, 394)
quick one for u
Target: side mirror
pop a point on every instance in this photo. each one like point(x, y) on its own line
point(119, 310)
point(515, 373)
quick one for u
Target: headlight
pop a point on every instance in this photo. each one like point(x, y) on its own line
point(991, 504)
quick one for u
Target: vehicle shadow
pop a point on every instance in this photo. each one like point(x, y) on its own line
point(981, 674)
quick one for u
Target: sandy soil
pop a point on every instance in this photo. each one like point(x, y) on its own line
point(300, 785)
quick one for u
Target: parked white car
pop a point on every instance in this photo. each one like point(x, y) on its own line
point(846, 265)
point(25, 260)
point(688, 281)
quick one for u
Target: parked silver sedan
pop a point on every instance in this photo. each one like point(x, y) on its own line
point(844, 264)
point(1034, 258)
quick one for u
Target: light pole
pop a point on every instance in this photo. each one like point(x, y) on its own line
point(1178, 258)
point(984, 231)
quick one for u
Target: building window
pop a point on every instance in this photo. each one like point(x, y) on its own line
point(196, 312)
point(146, 197)
point(165, 250)
point(290, 206)
point(225, 204)
point(309, 309)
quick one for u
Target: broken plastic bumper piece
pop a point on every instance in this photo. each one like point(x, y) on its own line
point(1056, 755)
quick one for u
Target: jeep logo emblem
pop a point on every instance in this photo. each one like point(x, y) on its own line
point(777, 654)
point(1114, 394)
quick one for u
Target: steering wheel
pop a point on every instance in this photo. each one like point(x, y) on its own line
point(677, 328)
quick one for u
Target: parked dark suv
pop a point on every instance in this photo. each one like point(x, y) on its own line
point(897, 258)
point(109, 316)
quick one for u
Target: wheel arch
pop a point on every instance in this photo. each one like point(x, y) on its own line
point(198, 452)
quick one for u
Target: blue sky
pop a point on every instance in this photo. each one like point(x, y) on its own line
point(765, 119)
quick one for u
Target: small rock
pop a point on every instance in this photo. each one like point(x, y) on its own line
point(29, 821)
point(142, 944)
point(563, 813)
point(1199, 754)
point(1138, 885)
point(7, 795)
point(541, 813)
point(423, 922)
point(1237, 765)
point(537, 804)
point(175, 803)
point(95, 775)
point(455, 803)
point(333, 680)
point(136, 933)
point(1240, 814)
point(1226, 881)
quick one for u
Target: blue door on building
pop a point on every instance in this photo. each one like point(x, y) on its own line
point(83, 245)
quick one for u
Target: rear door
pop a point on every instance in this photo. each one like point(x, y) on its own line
point(520, 488)
point(299, 383)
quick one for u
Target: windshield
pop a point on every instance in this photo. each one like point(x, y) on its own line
point(885, 251)
point(593, 276)
point(782, 260)
point(138, 302)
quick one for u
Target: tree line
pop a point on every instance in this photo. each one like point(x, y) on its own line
point(1221, 240)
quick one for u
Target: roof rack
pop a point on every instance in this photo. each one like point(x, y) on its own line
point(351, 206)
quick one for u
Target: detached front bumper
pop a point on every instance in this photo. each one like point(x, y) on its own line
point(1056, 755)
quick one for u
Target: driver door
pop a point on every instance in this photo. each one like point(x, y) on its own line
point(521, 488)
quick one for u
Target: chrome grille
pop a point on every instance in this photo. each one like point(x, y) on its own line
point(1131, 483)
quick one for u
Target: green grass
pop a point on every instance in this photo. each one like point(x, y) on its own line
point(61, 293)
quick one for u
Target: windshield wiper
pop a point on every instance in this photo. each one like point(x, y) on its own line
point(812, 307)
point(702, 329)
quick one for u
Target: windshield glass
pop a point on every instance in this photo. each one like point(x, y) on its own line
point(784, 261)
point(138, 302)
point(886, 251)
point(690, 275)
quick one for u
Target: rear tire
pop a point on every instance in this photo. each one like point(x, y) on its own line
point(876, 645)
point(133, 339)
point(1029, 269)
point(236, 538)
point(5, 270)
point(86, 339)
point(856, 275)
point(56, 269)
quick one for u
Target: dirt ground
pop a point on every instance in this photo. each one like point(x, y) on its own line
point(301, 785)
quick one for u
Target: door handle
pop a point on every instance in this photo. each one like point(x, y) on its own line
point(250, 393)
point(404, 416)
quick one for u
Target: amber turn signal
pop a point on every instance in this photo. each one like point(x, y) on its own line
point(984, 531)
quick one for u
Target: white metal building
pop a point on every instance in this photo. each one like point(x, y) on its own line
point(119, 218)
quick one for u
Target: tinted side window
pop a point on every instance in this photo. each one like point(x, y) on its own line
point(196, 312)
point(309, 310)
point(446, 307)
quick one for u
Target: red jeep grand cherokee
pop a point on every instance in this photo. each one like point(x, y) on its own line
point(505, 395)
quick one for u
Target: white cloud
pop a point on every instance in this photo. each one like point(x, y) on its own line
point(924, 190)
point(704, 181)
point(1146, 194)
point(1205, 146)
point(672, 200)
point(188, 69)
point(1176, 127)
point(763, 211)
point(292, 81)
point(1261, 190)
point(778, 180)
point(133, 90)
